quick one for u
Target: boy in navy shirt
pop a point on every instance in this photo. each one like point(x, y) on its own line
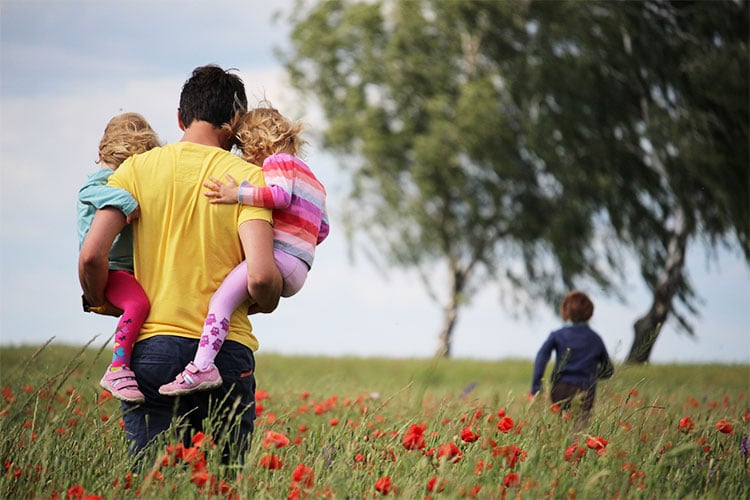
point(580, 356)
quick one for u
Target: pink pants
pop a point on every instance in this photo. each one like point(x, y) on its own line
point(124, 292)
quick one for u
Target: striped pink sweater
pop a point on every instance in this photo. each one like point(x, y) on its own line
point(298, 200)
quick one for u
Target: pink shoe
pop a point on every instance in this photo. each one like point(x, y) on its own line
point(192, 379)
point(122, 384)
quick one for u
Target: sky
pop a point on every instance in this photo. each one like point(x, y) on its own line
point(67, 67)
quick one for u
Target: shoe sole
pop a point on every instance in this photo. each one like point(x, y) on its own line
point(200, 387)
point(120, 397)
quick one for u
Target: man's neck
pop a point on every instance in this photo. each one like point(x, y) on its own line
point(201, 132)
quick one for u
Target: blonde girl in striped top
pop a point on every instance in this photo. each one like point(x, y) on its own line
point(297, 198)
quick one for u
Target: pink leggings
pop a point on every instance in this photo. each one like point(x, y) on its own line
point(124, 292)
point(231, 293)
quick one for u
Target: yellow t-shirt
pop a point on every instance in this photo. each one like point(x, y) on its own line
point(184, 246)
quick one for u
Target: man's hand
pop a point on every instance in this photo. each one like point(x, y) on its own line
point(220, 192)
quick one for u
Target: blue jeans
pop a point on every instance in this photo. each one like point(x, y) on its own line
point(157, 361)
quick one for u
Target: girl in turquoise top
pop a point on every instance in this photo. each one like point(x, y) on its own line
point(125, 135)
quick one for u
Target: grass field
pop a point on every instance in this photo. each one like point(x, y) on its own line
point(365, 428)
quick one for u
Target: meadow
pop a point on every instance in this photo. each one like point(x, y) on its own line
point(366, 428)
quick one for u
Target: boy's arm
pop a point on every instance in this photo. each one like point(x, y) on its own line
point(540, 363)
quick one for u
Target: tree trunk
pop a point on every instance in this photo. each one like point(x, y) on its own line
point(450, 314)
point(648, 327)
point(445, 337)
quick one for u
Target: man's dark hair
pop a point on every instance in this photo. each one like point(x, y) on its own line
point(213, 95)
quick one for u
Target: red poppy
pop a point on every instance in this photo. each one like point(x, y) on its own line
point(511, 453)
point(723, 426)
point(276, 439)
point(686, 424)
point(383, 485)
point(596, 443)
point(199, 477)
point(414, 437)
point(505, 424)
point(573, 453)
point(468, 435)
point(270, 461)
point(193, 456)
point(511, 479)
point(450, 452)
point(436, 485)
point(75, 492)
point(303, 476)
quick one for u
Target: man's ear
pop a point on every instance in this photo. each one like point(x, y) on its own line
point(179, 121)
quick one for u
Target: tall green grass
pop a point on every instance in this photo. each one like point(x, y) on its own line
point(345, 420)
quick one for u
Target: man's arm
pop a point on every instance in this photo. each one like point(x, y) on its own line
point(263, 277)
point(93, 261)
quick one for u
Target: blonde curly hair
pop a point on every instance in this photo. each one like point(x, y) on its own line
point(263, 131)
point(124, 136)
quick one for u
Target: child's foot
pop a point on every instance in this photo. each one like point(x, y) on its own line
point(122, 384)
point(192, 379)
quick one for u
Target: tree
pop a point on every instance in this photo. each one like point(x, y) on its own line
point(433, 135)
point(531, 142)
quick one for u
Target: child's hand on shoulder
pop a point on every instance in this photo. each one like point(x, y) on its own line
point(220, 192)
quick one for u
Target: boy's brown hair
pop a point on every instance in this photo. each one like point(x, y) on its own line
point(576, 307)
point(263, 131)
point(124, 136)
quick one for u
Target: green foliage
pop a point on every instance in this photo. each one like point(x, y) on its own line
point(346, 420)
point(531, 142)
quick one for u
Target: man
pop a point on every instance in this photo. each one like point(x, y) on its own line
point(183, 248)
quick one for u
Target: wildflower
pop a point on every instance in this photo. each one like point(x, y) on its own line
point(744, 446)
point(276, 439)
point(686, 424)
point(511, 479)
point(596, 443)
point(270, 461)
point(414, 437)
point(512, 455)
point(479, 467)
point(75, 492)
point(383, 485)
point(199, 477)
point(468, 435)
point(505, 424)
point(449, 451)
point(573, 453)
point(303, 476)
point(436, 485)
point(723, 426)
point(199, 438)
point(193, 456)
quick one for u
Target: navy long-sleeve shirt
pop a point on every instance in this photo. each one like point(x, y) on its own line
point(580, 357)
